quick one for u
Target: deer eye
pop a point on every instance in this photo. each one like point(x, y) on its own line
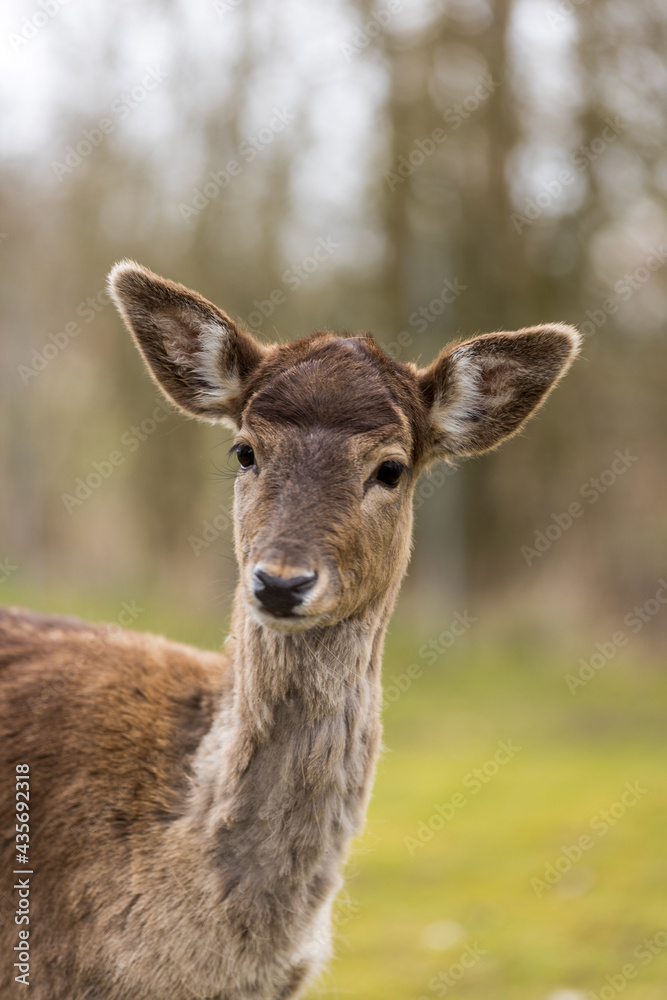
point(245, 455)
point(390, 473)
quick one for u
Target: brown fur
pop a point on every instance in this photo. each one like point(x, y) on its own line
point(190, 811)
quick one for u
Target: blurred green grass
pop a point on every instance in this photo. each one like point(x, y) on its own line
point(412, 914)
point(407, 915)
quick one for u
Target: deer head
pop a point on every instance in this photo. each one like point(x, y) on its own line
point(331, 434)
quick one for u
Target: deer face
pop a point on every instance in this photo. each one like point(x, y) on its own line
point(323, 494)
point(331, 435)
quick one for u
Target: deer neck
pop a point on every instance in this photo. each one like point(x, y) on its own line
point(295, 751)
point(315, 671)
point(310, 694)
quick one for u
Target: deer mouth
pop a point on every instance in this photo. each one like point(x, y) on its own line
point(286, 621)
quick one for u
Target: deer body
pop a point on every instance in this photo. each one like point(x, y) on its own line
point(211, 863)
point(191, 811)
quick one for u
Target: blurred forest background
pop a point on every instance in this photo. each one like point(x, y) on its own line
point(460, 167)
point(423, 170)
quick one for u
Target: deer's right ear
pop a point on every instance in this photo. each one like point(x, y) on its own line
point(197, 355)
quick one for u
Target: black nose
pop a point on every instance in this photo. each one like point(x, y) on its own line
point(278, 595)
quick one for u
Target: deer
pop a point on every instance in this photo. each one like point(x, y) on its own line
point(191, 811)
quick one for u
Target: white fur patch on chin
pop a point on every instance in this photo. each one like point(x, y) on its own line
point(297, 623)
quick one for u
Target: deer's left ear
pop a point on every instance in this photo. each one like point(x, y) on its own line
point(483, 390)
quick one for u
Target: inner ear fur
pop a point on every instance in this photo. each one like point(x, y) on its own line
point(198, 356)
point(481, 391)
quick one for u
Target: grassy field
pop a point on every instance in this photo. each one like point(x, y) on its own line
point(475, 890)
point(516, 844)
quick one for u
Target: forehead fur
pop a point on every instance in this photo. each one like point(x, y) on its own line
point(345, 384)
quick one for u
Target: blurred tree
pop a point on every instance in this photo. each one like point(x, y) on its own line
point(474, 165)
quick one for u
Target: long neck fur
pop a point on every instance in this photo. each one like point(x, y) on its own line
point(291, 759)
